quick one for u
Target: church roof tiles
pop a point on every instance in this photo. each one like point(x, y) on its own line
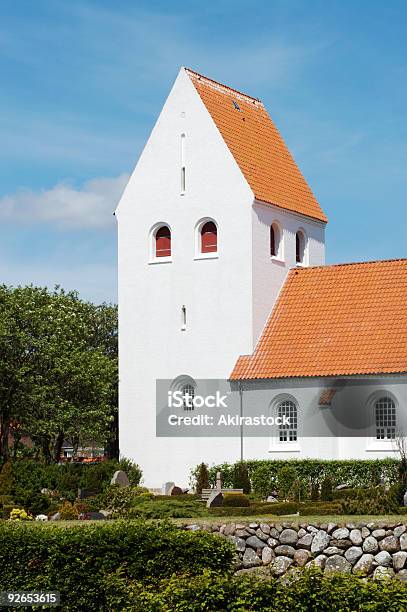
point(257, 147)
point(337, 320)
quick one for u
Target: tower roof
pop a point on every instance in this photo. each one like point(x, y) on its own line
point(338, 320)
point(257, 147)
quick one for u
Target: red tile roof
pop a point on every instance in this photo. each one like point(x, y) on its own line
point(257, 147)
point(335, 320)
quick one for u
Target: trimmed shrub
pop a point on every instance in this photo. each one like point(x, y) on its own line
point(68, 511)
point(201, 478)
point(79, 561)
point(371, 501)
point(326, 489)
point(241, 478)
point(235, 499)
point(286, 476)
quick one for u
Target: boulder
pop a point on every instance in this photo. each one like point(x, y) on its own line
point(265, 528)
point(341, 534)
point(263, 536)
point(355, 537)
point(288, 536)
point(240, 544)
point(284, 550)
point(301, 533)
point(353, 554)
point(230, 529)
point(250, 559)
point(365, 532)
point(319, 561)
point(41, 517)
point(271, 499)
point(398, 531)
point(402, 575)
point(370, 545)
point(383, 573)
point(390, 544)
point(55, 517)
point(305, 541)
point(193, 527)
point(274, 533)
point(333, 550)
point(280, 565)
point(215, 500)
point(321, 540)
point(331, 527)
point(255, 542)
point(120, 478)
point(267, 555)
point(383, 558)
point(301, 557)
point(403, 541)
point(364, 565)
point(399, 560)
point(336, 563)
point(405, 499)
point(379, 534)
point(343, 544)
point(272, 542)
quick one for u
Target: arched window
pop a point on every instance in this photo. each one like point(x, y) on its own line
point(299, 247)
point(188, 393)
point(163, 242)
point(209, 237)
point(276, 241)
point(287, 432)
point(385, 410)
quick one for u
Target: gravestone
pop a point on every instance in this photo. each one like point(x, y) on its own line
point(215, 499)
point(167, 488)
point(120, 479)
point(218, 481)
point(176, 491)
point(84, 493)
point(405, 499)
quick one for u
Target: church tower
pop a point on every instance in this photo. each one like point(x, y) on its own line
point(214, 215)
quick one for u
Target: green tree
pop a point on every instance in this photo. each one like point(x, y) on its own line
point(58, 368)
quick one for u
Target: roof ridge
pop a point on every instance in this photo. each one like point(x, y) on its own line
point(222, 85)
point(347, 263)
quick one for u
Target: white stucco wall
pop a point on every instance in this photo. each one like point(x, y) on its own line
point(217, 293)
point(269, 273)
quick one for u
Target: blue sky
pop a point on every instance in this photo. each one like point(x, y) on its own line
point(82, 83)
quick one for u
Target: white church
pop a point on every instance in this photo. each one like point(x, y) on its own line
point(222, 276)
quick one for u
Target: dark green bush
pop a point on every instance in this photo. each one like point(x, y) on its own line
point(236, 500)
point(371, 501)
point(33, 501)
point(78, 561)
point(286, 476)
point(7, 479)
point(241, 478)
point(145, 508)
point(132, 470)
point(321, 509)
point(309, 591)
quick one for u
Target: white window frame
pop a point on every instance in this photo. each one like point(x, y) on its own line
point(152, 258)
point(373, 443)
point(198, 228)
point(275, 444)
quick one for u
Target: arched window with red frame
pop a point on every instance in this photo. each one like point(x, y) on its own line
point(163, 242)
point(209, 237)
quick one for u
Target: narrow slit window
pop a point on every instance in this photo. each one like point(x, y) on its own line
point(273, 252)
point(183, 171)
point(183, 318)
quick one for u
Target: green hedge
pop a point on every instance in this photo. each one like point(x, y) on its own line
point(355, 473)
point(310, 591)
point(78, 561)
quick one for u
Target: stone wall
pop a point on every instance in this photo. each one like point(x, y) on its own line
point(375, 550)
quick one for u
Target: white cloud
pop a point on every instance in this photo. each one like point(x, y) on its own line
point(91, 206)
